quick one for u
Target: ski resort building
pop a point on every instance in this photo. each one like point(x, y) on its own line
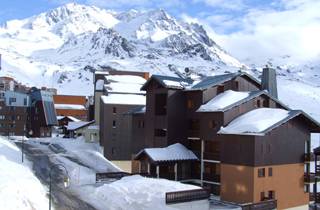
point(70, 105)
point(42, 113)
point(247, 142)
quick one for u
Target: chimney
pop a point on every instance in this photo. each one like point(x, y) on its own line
point(269, 81)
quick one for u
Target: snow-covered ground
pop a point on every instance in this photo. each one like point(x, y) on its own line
point(19, 187)
point(83, 160)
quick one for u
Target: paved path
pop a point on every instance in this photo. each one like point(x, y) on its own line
point(63, 199)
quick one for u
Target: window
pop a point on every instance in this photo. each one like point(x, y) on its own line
point(25, 101)
point(11, 100)
point(114, 124)
point(262, 196)
point(161, 104)
point(114, 110)
point(270, 171)
point(13, 117)
point(194, 124)
point(160, 132)
point(2, 117)
point(258, 103)
point(141, 124)
point(220, 89)
point(212, 124)
point(261, 172)
point(271, 195)
point(18, 117)
point(12, 108)
point(236, 85)
point(190, 104)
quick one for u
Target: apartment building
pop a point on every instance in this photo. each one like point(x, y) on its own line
point(13, 113)
point(42, 113)
point(71, 105)
point(241, 166)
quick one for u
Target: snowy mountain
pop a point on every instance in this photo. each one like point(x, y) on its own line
point(59, 48)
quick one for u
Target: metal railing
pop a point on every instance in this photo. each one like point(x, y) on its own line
point(100, 177)
point(263, 205)
point(187, 196)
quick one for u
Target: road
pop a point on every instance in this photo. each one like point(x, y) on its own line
point(62, 198)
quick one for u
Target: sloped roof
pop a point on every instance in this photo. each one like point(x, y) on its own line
point(169, 82)
point(174, 152)
point(263, 120)
point(71, 118)
point(219, 79)
point(222, 96)
point(73, 126)
point(187, 84)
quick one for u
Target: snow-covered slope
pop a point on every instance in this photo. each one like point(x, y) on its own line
point(60, 48)
point(53, 48)
point(19, 187)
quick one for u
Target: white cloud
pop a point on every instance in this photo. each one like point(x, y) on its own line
point(269, 33)
point(119, 4)
point(229, 4)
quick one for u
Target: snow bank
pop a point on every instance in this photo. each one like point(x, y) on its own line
point(134, 193)
point(223, 100)
point(255, 121)
point(19, 188)
point(129, 99)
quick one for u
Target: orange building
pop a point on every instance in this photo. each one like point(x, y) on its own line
point(67, 105)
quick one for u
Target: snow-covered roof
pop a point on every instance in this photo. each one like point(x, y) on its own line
point(70, 106)
point(70, 117)
point(77, 125)
point(189, 84)
point(137, 110)
point(125, 99)
point(257, 121)
point(99, 84)
point(126, 79)
point(223, 100)
point(169, 82)
point(124, 84)
point(174, 152)
point(94, 127)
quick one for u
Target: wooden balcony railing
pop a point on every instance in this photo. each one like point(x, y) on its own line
point(309, 177)
point(186, 196)
point(263, 205)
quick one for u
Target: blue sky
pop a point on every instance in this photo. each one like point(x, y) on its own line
point(248, 29)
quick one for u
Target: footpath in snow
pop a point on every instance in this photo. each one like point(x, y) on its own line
point(83, 160)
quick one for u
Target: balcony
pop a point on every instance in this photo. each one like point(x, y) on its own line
point(211, 156)
point(211, 177)
point(193, 133)
point(309, 177)
point(186, 196)
point(312, 196)
point(263, 205)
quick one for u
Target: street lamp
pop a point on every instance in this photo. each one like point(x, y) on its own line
point(66, 179)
